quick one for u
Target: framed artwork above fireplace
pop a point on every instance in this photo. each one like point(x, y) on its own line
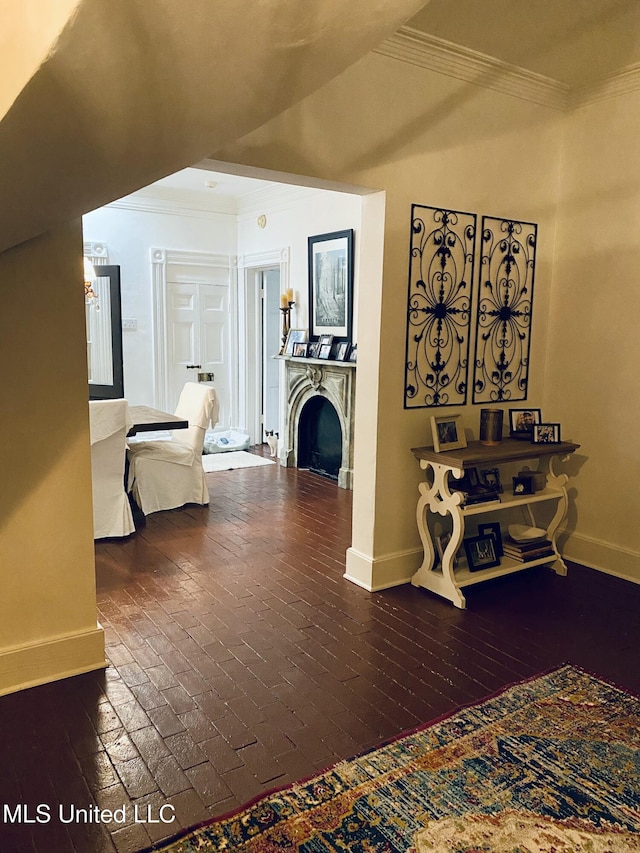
point(331, 285)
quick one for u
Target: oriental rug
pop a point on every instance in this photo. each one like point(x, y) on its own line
point(550, 765)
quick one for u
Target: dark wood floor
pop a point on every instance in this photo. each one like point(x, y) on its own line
point(241, 660)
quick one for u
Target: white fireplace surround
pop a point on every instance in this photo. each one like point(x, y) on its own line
point(336, 382)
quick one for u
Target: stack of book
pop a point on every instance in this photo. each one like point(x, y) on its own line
point(532, 549)
point(480, 495)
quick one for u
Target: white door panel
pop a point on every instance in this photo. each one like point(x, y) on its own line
point(198, 336)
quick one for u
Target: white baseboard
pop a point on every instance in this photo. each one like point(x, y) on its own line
point(603, 556)
point(376, 573)
point(51, 660)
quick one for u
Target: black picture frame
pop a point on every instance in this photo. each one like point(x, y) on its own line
point(524, 485)
point(491, 477)
point(481, 552)
point(492, 528)
point(330, 260)
point(521, 422)
point(111, 313)
point(353, 352)
point(300, 349)
point(342, 351)
point(325, 351)
point(546, 433)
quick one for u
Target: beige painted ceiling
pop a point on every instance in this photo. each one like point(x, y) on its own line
point(572, 41)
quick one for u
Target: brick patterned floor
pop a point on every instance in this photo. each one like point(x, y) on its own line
point(241, 660)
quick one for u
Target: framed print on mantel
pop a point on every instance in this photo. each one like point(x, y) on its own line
point(331, 285)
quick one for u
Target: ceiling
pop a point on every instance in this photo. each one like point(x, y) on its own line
point(572, 41)
point(575, 42)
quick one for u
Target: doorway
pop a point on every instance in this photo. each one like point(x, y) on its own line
point(270, 397)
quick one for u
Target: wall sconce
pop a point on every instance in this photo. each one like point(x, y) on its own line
point(89, 280)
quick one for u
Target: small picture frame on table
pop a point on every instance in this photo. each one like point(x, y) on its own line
point(447, 432)
point(294, 336)
point(300, 350)
point(492, 528)
point(481, 553)
point(325, 351)
point(491, 477)
point(342, 350)
point(522, 421)
point(546, 434)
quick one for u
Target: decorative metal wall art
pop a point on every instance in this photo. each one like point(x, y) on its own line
point(503, 332)
point(439, 311)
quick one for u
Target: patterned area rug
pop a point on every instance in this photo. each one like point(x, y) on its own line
point(551, 765)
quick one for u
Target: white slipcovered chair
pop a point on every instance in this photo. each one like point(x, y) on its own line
point(109, 423)
point(169, 474)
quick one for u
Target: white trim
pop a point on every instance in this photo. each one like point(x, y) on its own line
point(462, 63)
point(603, 556)
point(177, 202)
point(96, 253)
point(378, 573)
point(249, 380)
point(623, 82)
point(51, 660)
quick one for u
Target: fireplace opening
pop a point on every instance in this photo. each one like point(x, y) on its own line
point(320, 438)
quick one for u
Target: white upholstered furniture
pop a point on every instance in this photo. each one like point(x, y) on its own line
point(169, 474)
point(109, 424)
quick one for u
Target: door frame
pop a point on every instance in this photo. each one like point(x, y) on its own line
point(250, 333)
point(160, 259)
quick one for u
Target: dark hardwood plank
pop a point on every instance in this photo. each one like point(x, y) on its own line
point(241, 660)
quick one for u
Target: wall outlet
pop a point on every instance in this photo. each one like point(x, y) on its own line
point(129, 323)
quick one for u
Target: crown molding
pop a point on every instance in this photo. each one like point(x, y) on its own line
point(273, 199)
point(444, 57)
point(183, 203)
point(623, 82)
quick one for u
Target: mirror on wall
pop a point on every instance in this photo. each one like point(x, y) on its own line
point(104, 335)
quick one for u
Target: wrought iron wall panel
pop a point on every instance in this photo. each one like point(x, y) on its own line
point(439, 311)
point(503, 331)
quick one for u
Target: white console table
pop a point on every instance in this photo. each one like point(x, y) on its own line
point(438, 496)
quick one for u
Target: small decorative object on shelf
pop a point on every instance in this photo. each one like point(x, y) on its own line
point(521, 422)
point(481, 552)
point(523, 485)
point(490, 426)
point(286, 304)
point(473, 491)
point(447, 432)
point(546, 434)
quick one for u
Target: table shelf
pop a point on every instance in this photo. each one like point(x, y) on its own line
point(438, 496)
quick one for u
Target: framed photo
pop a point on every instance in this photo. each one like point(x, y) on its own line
point(521, 422)
point(331, 284)
point(342, 351)
point(325, 351)
point(441, 544)
point(323, 340)
point(294, 336)
point(492, 528)
point(481, 552)
point(448, 432)
point(546, 434)
point(353, 352)
point(491, 477)
point(314, 349)
point(300, 350)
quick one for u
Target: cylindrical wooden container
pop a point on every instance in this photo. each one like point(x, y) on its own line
point(490, 426)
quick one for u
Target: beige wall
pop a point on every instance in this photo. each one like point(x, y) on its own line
point(592, 384)
point(47, 607)
point(425, 138)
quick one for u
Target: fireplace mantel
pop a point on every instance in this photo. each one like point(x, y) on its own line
point(334, 380)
